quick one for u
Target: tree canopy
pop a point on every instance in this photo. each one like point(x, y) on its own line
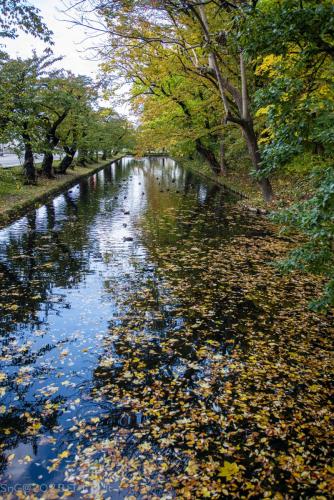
point(206, 76)
point(244, 85)
point(16, 15)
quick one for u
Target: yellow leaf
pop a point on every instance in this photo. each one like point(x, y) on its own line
point(229, 470)
point(36, 426)
point(145, 447)
point(205, 492)
point(64, 454)
point(192, 467)
point(315, 388)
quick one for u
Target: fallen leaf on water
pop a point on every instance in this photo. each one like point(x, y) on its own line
point(229, 470)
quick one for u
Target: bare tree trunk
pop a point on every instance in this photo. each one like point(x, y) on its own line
point(29, 169)
point(241, 100)
point(223, 164)
point(213, 63)
point(209, 156)
point(250, 135)
point(52, 140)
point(47, 167)
point(244, 92)
point(254, 153)
point(67, 161)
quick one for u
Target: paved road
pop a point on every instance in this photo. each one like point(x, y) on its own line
point(11, 160)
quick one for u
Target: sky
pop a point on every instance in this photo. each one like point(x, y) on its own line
point(68, 40)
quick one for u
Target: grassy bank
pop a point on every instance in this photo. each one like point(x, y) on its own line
point(16, 198)
point(292, 185)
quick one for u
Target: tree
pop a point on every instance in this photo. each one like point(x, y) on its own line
point(294, 66)
point(180, 116)
point(62, 94)
point(18, 15)
point(291, 43)
point(107, 132)
point(21, 82)
point(314, 217)
point(74, 126)
point(209, 52)
point(114, 132)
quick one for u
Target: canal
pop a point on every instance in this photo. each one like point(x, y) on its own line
point(150, 348)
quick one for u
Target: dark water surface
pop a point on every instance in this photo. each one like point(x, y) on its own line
point(94, 321)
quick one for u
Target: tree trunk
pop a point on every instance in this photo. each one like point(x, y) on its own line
point(223, 164)
point(209, 156)
point(104, 155)
point(241, 101)
point(47, 168)
point(29, 163)
point(250, 136)
point(253, 149)
point(318, 148)
point(244, 91)
point(82, 157)
point(67, 161)
point(213, 63)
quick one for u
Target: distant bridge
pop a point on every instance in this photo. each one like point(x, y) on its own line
point(144, 154)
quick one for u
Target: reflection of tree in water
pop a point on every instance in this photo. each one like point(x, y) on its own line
point(150, 375)
point(186, 382)
point(34, 260)
point(166, 363)
point(31, 266)
point(161, 355)
point(181, 212)
point(148, 379)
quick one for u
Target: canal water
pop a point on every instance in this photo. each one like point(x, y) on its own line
point(128, 310)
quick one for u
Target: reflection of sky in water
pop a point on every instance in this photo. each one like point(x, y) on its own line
point(17, 230)
point(202, 194)
point(67, 342)
point(80, 256)
point(132, 306)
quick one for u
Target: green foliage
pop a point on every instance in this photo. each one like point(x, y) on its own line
point(274, 26)
point(43, 108)
point(315, 218)
point(291, 43)
point(21, 82)
point(19, 15)
point(306, 163)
